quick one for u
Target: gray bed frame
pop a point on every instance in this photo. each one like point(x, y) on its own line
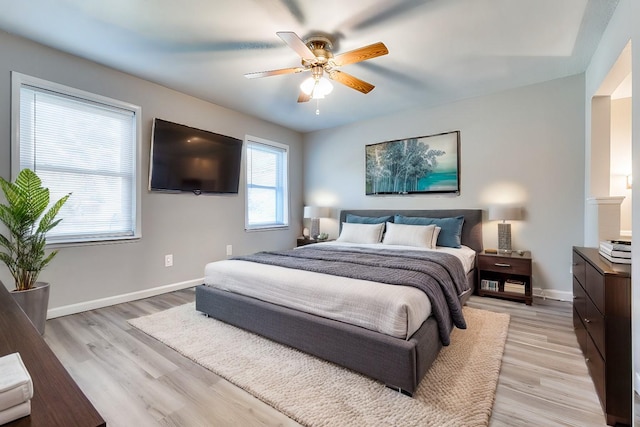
point(398, 363)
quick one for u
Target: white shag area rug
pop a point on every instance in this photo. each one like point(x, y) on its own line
point(458, 390)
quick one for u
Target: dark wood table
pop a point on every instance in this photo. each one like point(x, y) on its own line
point(57, 399)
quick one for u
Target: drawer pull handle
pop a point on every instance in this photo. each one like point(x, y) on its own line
point(502, 264)
point(587, 360)
point(587, 321)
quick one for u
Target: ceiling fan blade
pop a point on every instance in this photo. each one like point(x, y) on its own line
point(274, 72)
point(352, 82)
point(362, 54)
point(303, 97)
point(294, 42)
point(381, 14)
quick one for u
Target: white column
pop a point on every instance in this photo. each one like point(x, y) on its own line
point(602, 219)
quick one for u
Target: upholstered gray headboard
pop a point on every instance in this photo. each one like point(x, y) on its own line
point(471, 228)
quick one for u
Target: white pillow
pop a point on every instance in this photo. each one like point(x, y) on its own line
point(436, 233)
point(409, 235)
point(361, 233)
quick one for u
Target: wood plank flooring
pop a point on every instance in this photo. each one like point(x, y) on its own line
point(133, 380)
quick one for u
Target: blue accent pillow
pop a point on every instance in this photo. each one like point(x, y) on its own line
point(368, 219)
point(451, 228)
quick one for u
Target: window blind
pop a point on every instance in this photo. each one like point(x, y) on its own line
point(86, 148)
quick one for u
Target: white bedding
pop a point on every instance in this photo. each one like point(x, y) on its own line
point(390, 309)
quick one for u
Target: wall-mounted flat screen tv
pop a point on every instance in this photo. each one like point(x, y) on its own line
point(189, 159)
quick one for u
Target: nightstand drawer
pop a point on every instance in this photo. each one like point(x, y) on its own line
point(505, 265)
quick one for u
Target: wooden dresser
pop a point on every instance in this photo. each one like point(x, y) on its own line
point(602, 321)
point(57, 400)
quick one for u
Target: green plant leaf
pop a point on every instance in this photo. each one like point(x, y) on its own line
point(35, 197)
point(23, 250)
point(47, 223)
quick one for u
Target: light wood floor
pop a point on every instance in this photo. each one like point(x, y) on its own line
point(133, 380)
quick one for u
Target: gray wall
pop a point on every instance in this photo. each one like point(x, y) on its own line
point(522, 146)
point(195, 229)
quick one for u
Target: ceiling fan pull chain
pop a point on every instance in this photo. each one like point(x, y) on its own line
point(317, 106)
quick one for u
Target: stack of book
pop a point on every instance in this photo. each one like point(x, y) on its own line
point(514, 286)
point(489, 285)
point(618, 251)
point(16, 389)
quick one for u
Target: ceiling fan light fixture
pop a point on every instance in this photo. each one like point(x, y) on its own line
point(317, 57)
point(317, 88)
point(307, 85)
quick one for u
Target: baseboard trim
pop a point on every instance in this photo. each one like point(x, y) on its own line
point(118, 299)
point(552, 294)
point(146, 293)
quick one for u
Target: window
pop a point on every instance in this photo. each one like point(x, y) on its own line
point(83, 144)
point(267, 184)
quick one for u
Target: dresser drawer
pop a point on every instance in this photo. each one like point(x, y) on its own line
point(578, 267)
point(602, 322)
point(505, 265)
point(579, 299)
point(580, 330)
point(594, 322)
point(595, 287)
point(596, 365)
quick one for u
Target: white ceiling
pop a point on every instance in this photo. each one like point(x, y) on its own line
point(439, 50)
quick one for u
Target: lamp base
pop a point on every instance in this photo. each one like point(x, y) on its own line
point(315, 228)
point(504, 238)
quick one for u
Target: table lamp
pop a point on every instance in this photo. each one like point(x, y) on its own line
point(315, 213)
point(504, 213)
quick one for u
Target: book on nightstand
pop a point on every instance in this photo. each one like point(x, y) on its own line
point(489, 285)
point(514, 286)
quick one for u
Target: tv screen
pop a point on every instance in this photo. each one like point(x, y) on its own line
point(189, 159)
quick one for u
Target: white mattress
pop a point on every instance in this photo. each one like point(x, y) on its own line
point(390, 309)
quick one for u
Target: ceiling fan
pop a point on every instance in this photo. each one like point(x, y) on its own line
point(317, 57)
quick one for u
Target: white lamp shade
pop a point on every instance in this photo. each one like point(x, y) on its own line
point(316, 212)
point(505, 212)
point(317, 88)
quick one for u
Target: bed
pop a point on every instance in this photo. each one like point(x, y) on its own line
point(398, 361)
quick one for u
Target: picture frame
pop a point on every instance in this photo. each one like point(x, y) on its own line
point(419, 165)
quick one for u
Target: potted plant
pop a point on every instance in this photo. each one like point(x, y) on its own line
point(23, 248)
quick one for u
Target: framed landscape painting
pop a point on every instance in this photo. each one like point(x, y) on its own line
point(424, 164)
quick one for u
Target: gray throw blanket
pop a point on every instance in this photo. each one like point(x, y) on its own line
point(439, 275)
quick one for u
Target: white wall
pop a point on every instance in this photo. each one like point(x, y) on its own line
point(621, 158)
point(195, 229)
point(623, 27)
point(524, 145)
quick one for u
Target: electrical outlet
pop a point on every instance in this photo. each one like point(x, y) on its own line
point(229, 250)
point(168, 260)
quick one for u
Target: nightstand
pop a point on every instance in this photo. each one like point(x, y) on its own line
point(305, 241)
point(505, 276)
